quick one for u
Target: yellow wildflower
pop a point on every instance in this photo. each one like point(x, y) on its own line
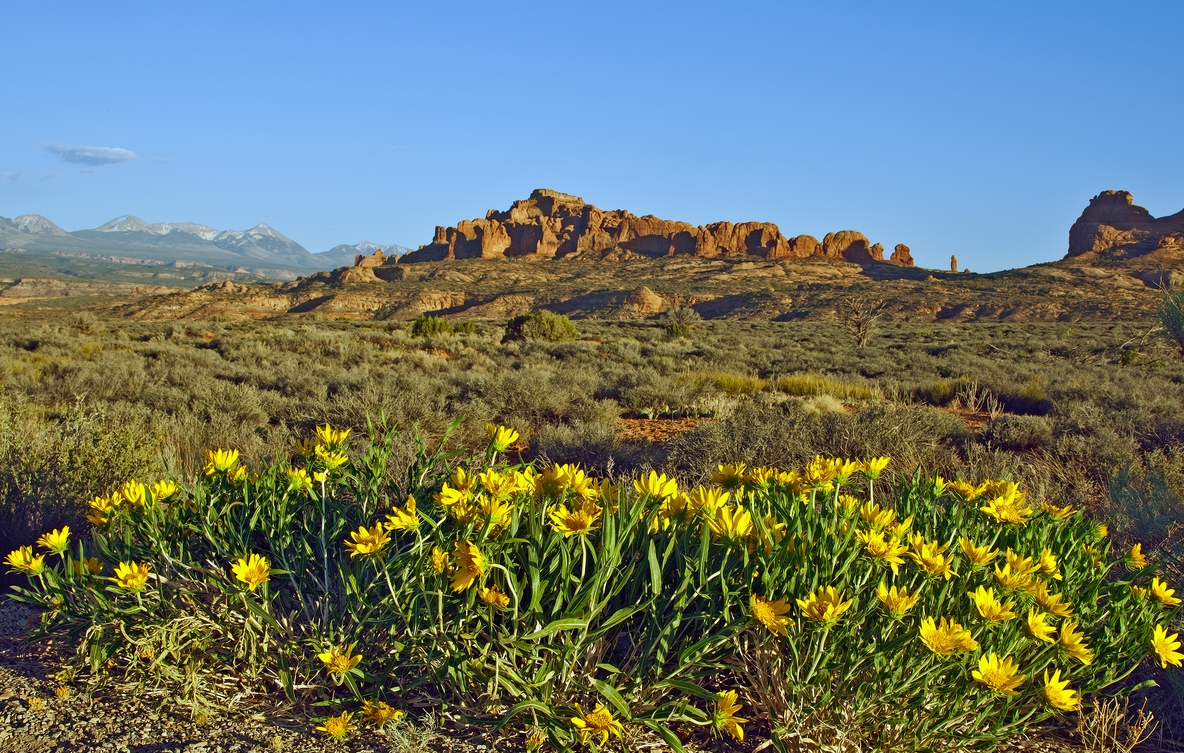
point(932, 557)
point(726, 718)
point(1008, 507)
point(298, 480)
point(130, 576)
point(706, 500)
point(338, 661)
point(873, 467)
point(946, 638)
point(1135, 559)
point(403, 518)
point(470, 565)
point(875, 516)
point(771, 614)
point(332, 459)
point(253, 570)
point(440, 561)
point(849, 505)
point(896, 600)
point(1012, 580)
point(86, 565)
point(500, 437)
point(990, 607)
point(493, 596)
point(220, 461)
point(163, 489)
point(979, 556)
point(497, 483)
point(24, 560)
point(966, 490)
point(1100, 531)
point(888, 551)
point(1057, 694)
point(599, 722)
point(1073, 641)
point(55, 541)
point(330, 436)
point(1000, 675)
point(1057, 513)
point(656, 485)
point(367, 541)
point(1021, 565)
point(1038, 626)
point(379, 714)
point(845, 468)
point(1164, 595)
point(1047, 564)
point(1166, 647)
point(1050, 602)
point(449, 496)
point(338, 727)
point(134, 493)
point(729, 476)
point(577, 522)
point(825, 605)
point(820, 474)
point(306, 447)
point(732, 524)
point(102, 507)
point(760, 477)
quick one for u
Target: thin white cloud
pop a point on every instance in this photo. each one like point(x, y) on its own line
point(161, 159)
point(13, 176)
point(90, 155)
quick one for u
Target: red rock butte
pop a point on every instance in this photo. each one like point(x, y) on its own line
point(1114, 227)
point(552, 225)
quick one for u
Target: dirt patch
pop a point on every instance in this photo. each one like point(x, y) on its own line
point(654, 430)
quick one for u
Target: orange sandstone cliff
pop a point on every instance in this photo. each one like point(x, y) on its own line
point(556, 225)
point(1114, 227)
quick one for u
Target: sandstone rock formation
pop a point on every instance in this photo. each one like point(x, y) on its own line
point(1114, 227)
point(551, 224)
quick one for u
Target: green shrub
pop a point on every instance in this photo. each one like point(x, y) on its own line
point(427, 325)
point(812, 384)
point(1019, 433)
point(1171, 317)
point(681, 321)
point(51, 466)
point(545, 326)
point(465, 328)
point(528, 597)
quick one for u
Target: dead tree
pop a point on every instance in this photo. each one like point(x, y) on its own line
point(860, 317)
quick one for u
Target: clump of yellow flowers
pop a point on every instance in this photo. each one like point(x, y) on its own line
point(590, 605)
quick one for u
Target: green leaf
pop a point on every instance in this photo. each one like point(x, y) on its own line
point(556, 627)
point(668, 735)
point(518, 708)
point(609, 692)
point(655, 570)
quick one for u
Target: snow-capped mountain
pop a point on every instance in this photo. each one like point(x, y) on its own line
point(131, 237)
point(130, 224)
point(36, 224)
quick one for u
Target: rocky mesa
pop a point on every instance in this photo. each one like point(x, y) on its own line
point(1114, 228)
point(551, 225)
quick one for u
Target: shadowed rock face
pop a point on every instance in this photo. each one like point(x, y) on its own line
point(551, 224)
point(1114, 227)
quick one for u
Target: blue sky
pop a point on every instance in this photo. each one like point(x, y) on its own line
point(976, 129)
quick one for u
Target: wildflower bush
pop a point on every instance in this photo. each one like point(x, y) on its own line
point(829, 604)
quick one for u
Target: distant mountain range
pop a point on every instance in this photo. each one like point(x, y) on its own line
point(261, 250)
